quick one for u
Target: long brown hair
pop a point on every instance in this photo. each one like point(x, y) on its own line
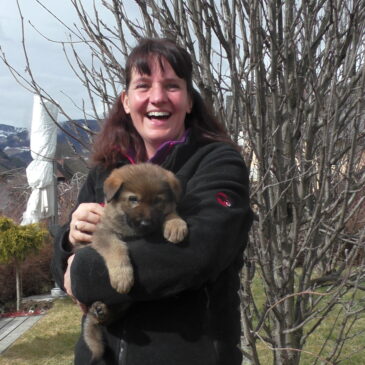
point(118, 135)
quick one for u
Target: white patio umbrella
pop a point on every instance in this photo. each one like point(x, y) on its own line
point(43, 141)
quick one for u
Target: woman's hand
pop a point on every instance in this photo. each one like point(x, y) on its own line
point(67, 277)
point(83, 222)
point(67, 285)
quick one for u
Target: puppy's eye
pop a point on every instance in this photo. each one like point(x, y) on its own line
point(159, 200)
point(133, 199)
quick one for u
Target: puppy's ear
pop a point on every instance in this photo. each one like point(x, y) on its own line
point(113, 185)
point(174, 185)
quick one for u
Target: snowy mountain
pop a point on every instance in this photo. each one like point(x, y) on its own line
point(14, 147)
point(6, 130)
point(14, 144)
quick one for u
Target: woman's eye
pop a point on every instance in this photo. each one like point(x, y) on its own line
point(172, 86)
point(142, 86)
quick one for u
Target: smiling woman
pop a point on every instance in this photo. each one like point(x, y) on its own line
point(183, 307)
point(157, 104)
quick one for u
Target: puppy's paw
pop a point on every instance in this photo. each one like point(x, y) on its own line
point(121, 278)
point(100, 311)
point(175, 230)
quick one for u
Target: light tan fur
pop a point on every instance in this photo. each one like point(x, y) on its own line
point(140, 200)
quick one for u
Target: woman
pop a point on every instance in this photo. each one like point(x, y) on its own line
point(184, 303)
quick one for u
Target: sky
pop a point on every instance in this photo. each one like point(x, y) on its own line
point(46, 58)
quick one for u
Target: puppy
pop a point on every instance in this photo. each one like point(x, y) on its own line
point(140, 199)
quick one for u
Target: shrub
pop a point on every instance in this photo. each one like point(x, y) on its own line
point(37, 278)
point(16, 243)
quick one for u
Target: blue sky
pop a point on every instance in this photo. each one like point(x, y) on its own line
point(46, 58)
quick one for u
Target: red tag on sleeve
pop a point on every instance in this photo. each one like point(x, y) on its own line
point(223, 199)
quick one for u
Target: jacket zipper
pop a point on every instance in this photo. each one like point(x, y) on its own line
point(122, 357)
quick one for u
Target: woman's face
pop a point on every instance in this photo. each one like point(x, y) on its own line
point(157, 104)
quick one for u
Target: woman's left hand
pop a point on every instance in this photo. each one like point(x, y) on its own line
point(68, 287)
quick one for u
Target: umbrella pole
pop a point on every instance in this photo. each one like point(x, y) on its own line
point(56, 292)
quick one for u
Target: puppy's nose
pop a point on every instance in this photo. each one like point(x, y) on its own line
point(145, 223)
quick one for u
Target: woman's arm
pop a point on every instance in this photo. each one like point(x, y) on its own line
point(86, 215)
point(216, 208)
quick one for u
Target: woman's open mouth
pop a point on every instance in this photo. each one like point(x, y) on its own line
point(158, 115)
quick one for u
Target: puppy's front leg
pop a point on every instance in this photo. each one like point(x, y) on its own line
point(175, 228)
point(116, 257)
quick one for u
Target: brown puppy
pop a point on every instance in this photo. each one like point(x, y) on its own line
point(140, 200)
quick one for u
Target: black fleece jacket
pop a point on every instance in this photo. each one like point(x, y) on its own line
point(185, 303)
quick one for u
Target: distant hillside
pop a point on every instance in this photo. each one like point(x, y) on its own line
point(78, 129)
point(14, 145)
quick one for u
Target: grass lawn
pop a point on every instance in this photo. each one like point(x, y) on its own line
point(353, 351)
point(50, 341)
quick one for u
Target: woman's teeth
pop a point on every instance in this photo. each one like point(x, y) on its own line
point(158, 115)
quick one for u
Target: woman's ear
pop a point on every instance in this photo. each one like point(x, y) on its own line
point(125, 101)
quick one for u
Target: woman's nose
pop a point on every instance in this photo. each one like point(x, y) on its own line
point(158, 94)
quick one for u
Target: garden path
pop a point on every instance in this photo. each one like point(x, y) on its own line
point(11, 328)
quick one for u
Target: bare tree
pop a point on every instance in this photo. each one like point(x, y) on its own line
point(14, 193)
point(287, 78)
point(67, 196)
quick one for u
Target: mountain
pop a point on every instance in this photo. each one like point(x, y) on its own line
point(14, 147)
point(80, 130)
point(15, 153)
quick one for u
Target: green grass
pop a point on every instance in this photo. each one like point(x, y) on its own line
point(51, 340)
point(353, 351)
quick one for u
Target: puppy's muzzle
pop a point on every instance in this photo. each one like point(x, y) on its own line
point(142, 226)
point(144, 223)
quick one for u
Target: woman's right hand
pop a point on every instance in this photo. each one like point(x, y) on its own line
point(83, 222)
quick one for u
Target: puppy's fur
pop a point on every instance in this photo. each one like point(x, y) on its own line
point(140, 200)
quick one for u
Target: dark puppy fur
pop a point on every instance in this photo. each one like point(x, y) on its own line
point(141, 199)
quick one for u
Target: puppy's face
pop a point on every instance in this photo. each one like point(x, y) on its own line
point(145, 210)
point(145, 194)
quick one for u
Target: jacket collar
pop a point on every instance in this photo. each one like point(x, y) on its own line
point(162, 152)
